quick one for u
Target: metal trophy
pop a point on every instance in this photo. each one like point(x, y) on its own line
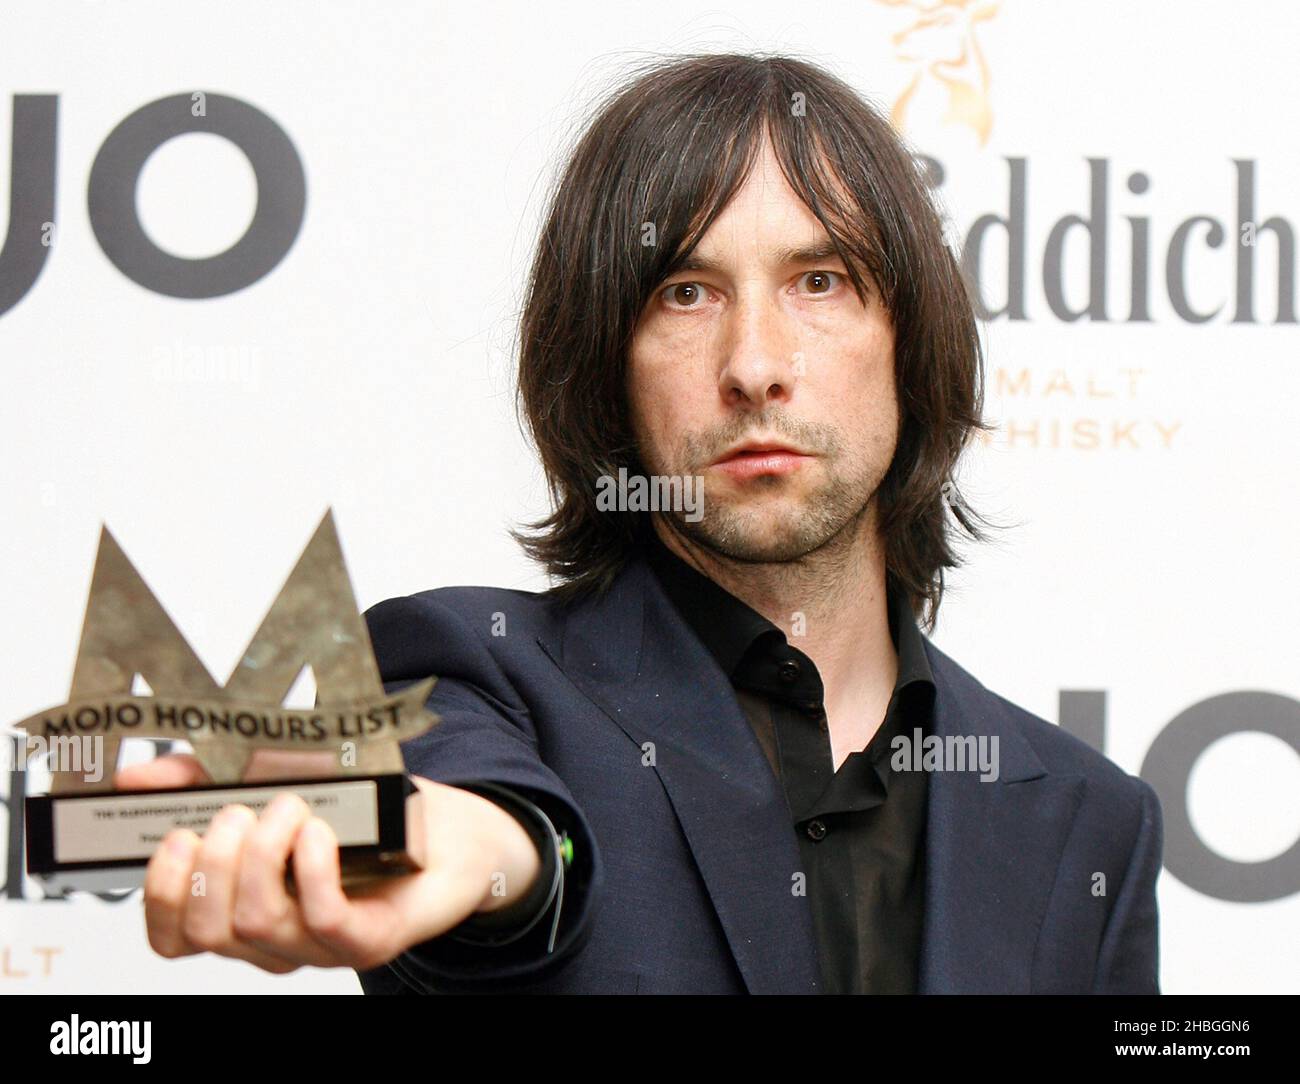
point(85, 835)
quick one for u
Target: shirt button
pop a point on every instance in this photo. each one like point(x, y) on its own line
point(816, 830)
point(789, 671)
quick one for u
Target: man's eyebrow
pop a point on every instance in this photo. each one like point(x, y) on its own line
point(815, 252)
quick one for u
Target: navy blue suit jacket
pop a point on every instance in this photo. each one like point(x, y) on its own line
point(612, 715)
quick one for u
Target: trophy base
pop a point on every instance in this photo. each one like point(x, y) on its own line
point(102, 842)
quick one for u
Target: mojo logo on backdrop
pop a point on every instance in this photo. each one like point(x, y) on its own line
point(111, 195)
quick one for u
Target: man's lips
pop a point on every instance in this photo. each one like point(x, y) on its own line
point(756, 460)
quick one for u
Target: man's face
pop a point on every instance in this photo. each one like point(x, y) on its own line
point(760, 370)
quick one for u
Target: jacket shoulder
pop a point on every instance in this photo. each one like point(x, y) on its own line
point(477, 610)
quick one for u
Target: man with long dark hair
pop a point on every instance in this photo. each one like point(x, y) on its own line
point(720, 755)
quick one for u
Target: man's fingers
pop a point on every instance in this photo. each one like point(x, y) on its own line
point(262, 899)
point(167, 884)
point(225, 894)
point(173, 770)
point(207, 920)
point(340, 925)
point(265, 916)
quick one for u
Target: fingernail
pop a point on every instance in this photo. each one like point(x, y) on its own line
point(283, 804)
point(179, 846)
point(230, 815)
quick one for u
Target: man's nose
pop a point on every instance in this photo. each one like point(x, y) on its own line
point(761, 360)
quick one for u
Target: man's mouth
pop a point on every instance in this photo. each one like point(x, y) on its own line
point(755, 459)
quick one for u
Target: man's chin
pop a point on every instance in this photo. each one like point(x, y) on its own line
point(765, 536)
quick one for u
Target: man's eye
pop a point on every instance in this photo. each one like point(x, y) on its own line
point(685, 295)
point(821, 282)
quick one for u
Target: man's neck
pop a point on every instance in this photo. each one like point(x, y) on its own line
point(832, 606)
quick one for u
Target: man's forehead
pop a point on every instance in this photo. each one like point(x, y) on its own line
point(765, 219)
point(771, 221)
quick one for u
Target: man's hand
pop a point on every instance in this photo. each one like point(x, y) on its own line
point(239, 906)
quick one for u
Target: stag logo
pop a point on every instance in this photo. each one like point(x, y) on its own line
point(941, 48)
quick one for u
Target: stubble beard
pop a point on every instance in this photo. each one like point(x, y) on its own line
point(767, 523)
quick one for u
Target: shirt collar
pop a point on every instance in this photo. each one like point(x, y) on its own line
point(728, 627)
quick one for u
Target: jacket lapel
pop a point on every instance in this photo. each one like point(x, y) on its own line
point(992, 848)
point(630, 653)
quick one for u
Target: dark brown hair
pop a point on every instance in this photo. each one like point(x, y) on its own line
point(671, 147)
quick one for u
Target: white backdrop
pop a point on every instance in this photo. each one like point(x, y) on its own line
point(1150, 465)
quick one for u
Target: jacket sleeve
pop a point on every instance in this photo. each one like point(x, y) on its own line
point(1129, 959)
point(485, 735)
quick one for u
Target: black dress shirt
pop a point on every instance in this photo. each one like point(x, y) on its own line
point(861, 828)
